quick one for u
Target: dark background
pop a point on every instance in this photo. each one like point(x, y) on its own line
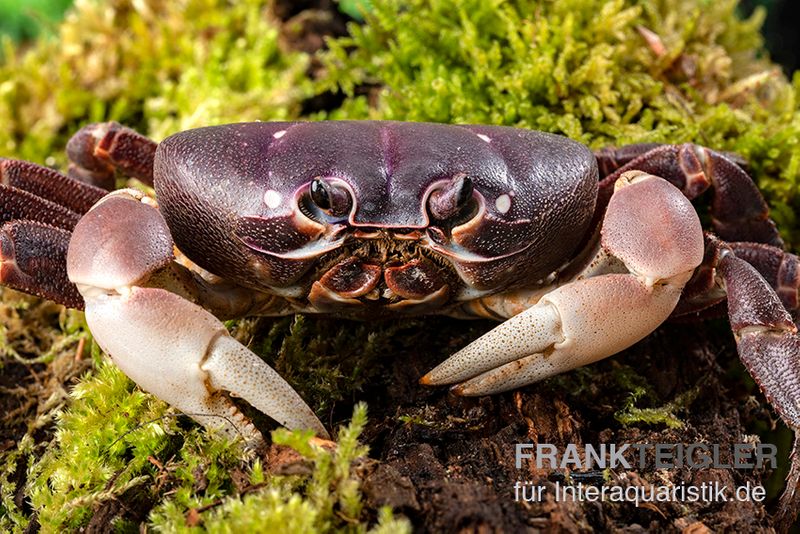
point(781, 30)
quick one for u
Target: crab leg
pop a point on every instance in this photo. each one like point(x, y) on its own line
point(32, 260)
point(21, 205)
point(780, 269)
point(168, 345)
point(97, 150)
point(655, 232)
point(704, 294)
point(609, 159)
point(769, 347)
point(48, 184)
point(40, 207)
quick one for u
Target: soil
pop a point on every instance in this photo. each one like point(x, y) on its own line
point(453, 467)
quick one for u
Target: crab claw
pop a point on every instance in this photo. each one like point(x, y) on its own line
point(168, 345)
point(654, 231)
point(182, 354)
point(557, 335)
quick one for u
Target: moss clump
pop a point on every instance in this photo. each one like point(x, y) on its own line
point(115, 442)
point(158, 67)
point(332, 496)
point(585, 69)
point(330, 361)
point(100, 451)
point(630, 414)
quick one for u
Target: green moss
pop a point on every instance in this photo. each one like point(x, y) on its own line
point(630, 414)
point(327, 361)
point(159, 67)
point(116, 442)
point(100, 450)
point(25, 20)
point(581, 68)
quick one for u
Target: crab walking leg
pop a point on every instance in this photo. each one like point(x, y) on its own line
point(33, 259)
point(610, 159)
point(652, 228)
point(769, 347)
point(780, 269)
point(97, 150)
point(49, 185)
point(168, 345)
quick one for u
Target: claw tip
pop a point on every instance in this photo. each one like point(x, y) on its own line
point(460, 390)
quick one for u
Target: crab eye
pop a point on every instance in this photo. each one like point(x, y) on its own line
point(319, 194)
point(330, 198)
point(450, 200)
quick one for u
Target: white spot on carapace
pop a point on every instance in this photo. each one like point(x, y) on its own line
point(484, 137)
point(278, 135)
point(503, 203)
point(272, 198)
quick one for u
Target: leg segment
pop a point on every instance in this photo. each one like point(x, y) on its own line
point(766, 335)
point(168, 345)
point(40, 208)
point(738, 210)
point(32, 257)
point(704, 295)
point(98, 150)
point(654, 234)
point(769, 347)
point(780, 269)
point(49, 184)
point(609, 159)
point(16, 204)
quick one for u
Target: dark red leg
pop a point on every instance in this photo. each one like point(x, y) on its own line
point(40, 207)
point(98, 150)
point(769, 347)
point(49, 184)
point(780, 269)
point(609, 159)
point(33, 260)
point(17, 204)
point(704, 298)
point(738, 210)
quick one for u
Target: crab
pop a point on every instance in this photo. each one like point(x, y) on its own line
point(580, 254)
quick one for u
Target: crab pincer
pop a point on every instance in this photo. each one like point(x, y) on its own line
point(654, 234)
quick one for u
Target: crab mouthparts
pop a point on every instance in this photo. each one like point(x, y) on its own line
point(415, 286)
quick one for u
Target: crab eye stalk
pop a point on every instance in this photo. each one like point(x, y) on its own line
point(329, 198)
point(451, 199)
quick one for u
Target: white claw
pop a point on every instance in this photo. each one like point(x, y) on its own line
point(653, 230)
point(179, 352)
point(533, 330)
point(513, 375)
point(592, 319)
point(232, 367)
